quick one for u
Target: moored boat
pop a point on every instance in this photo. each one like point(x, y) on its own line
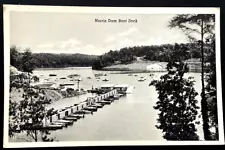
point(105, 102)
point(97, 105)
point(59, 123)
point(52, 75)
point(70, 118)
point(78, 116)
point(141, 79)
point(90, 108)
point(73, 75)
point(105, 79)
point(84, 112)
point(53, 127)
point(64, 121)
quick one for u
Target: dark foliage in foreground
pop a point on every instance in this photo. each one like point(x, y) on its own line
point(203, 25)
point(176, 104)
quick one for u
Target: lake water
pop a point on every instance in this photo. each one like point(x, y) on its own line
point(130, 118)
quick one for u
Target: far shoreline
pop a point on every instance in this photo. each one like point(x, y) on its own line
point(62, 68)
point(118, 70)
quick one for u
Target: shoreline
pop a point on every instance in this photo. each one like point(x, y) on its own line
point(128, 71)
point(50, 68)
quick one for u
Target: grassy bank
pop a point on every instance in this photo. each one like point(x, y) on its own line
point(141, 67)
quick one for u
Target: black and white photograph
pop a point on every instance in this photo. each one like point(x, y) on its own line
point(111, 76)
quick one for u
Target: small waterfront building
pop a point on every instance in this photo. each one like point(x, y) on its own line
point(155, 67)
point(107, 87)
point(121, 88)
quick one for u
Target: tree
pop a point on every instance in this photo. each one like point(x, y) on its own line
point(205, 25)
point(27, 61)
point(211, 87)
point(176, 103)
point(14, 56)
point(28, 114)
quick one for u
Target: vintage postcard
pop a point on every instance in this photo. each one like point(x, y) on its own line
point(92, 76)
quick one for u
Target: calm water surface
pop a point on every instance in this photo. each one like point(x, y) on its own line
point(130, 118)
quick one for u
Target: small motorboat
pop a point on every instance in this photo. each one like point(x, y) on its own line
point(90, 108)
point(105, 79)
point(83, 112)
point(78, 79)
point(73, 75)
point(52, 75)
point(67, 122)
point(54, 127)
point(99, 74)
point(116, 97)
point(78, 116)
point(151, 75)
point(97, 105)
point(141, 79)
point(105, 102)
point(70, 118)
point(63, 78)
point(59, 123)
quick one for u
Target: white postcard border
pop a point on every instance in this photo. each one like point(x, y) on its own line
point(107, 10)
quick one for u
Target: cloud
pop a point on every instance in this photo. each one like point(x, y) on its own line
point(71, 43)
point(69, 46)
point(128, 38)
point(128, 33)
point(46, 45)
point(110, 39)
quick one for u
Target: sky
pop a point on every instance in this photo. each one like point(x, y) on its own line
point(48, 32)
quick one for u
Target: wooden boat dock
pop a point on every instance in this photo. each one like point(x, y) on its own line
point(70, 114)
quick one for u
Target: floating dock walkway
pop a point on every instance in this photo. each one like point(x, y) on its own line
point(71, 114)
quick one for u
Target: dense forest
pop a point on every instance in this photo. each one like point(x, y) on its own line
point(126, 55)
point(48, 60)
point(163, 53)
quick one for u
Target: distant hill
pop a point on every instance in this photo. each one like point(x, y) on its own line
point(49, 60)
point(142, 54)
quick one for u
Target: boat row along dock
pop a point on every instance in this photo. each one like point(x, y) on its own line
point(71, 114)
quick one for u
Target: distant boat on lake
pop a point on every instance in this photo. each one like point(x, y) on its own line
point(63, 78)
point(73, 75)
point(151, 75)
point(105, 79)
point(52, 75)
point(141, 79)
point(99, 74)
